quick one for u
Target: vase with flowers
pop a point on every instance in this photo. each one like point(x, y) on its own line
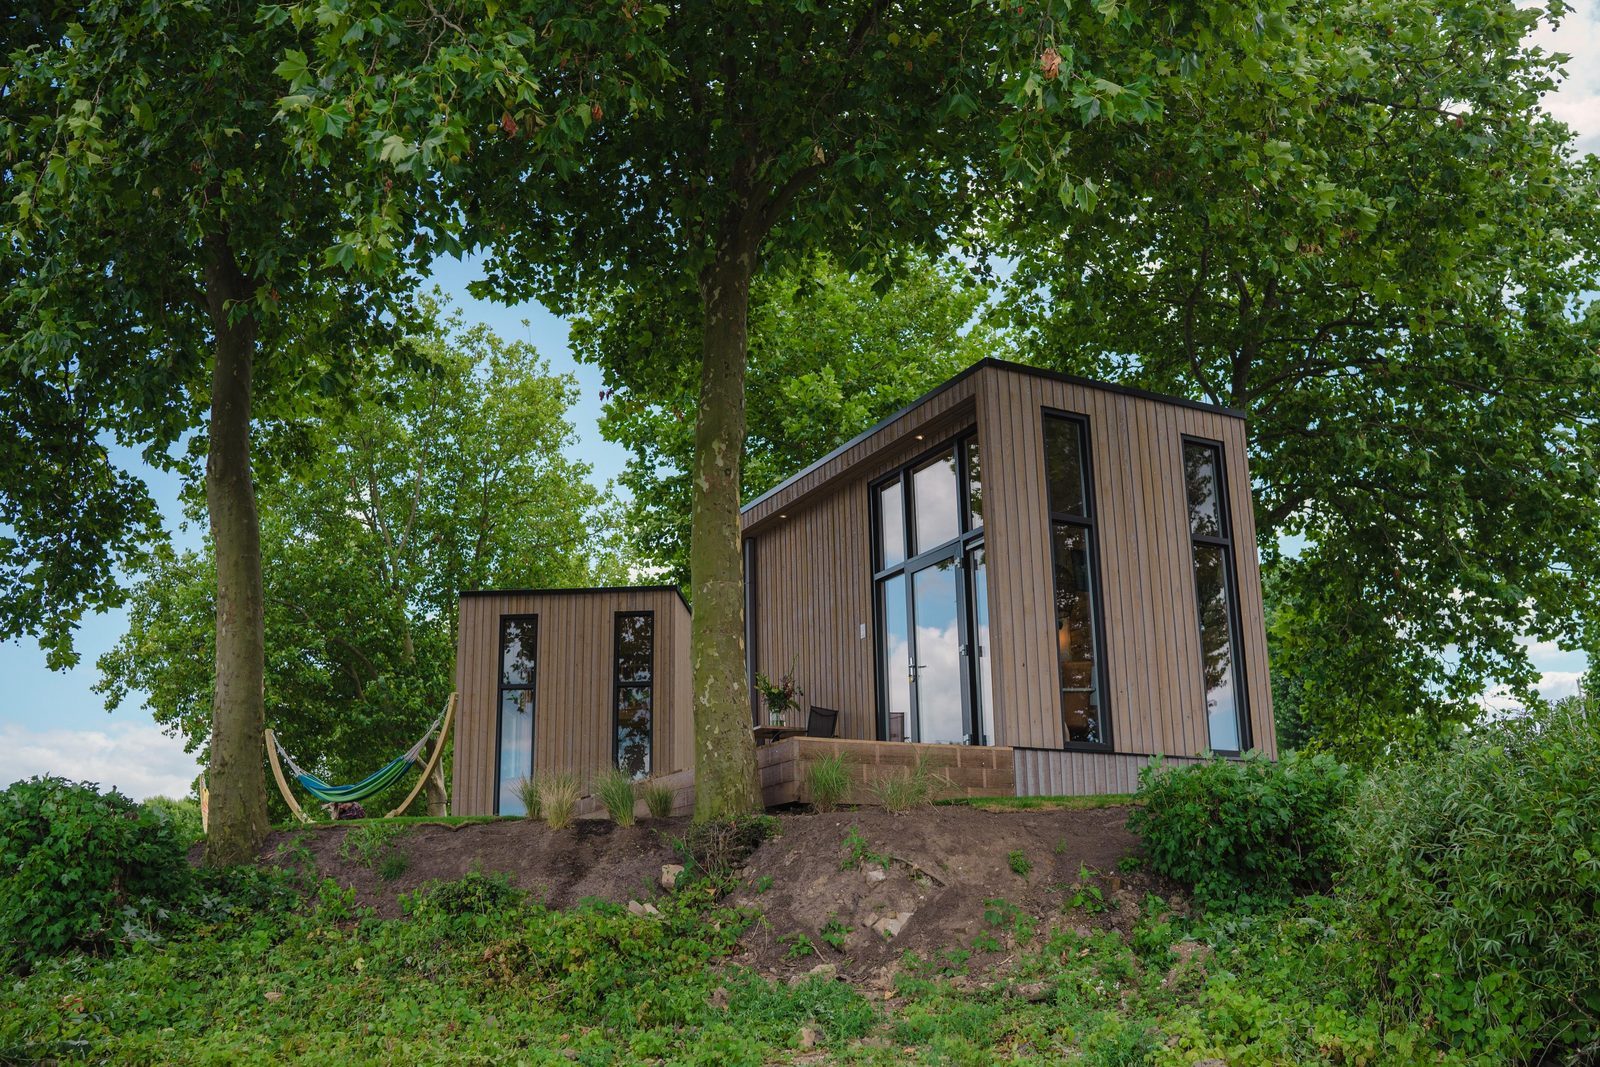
point(781, 697)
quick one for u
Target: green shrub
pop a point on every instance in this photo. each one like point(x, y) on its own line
point(827, 782)
point(558, 798)
point(1020, 864)
point(1244, 831)
point(369, 843)
point(614, 790)
point(82, 869)
point(184, 815)
point(658, 799)
point(1474, 874)
point(474, 893)
point(528, 793)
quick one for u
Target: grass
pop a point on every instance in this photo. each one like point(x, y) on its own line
point(268, 977)
point(1073, 803)
point(528, 793)
point(909, 788)
point(827, 783)
point(452, 821)
point(558, 798)
point(615, 792)
point(658, 800)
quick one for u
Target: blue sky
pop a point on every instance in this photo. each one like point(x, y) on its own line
point(52, 722)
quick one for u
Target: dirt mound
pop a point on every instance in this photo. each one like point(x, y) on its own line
point(855, 889)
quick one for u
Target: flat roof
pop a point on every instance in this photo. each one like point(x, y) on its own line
point(998, 364)
point(578, 591)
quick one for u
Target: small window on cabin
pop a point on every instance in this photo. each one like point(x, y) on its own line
point(519, 642)
point(1078, 653)
point(936, 502)
point(1215, 597)
point(891, 525)
point(635, 691)
point(974, 485)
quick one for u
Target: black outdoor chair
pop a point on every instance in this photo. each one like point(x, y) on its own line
point(822, 722)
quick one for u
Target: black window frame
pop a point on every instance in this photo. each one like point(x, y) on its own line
point(1231, 574)
point(1089, 523)
point(618, 685)
point(967, 538)
point(501, 688)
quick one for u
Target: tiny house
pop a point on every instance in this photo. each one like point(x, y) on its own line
point(1059, 572)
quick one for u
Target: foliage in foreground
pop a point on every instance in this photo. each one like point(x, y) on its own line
point(1246, 830)
point(478, 973)
point(81, 869)
point(1475, 876)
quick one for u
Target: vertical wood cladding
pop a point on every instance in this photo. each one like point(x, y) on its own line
point(812, 553)
point(573, 710)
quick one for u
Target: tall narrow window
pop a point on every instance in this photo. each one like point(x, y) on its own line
point(1212, 541)
point(635, 690)
point(1066, 453)
point(519, 645)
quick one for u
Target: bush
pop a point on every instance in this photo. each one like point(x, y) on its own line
point(474, 893)
point(827, 782)
point(716, 847)
point(558, 798)
point(614, 790)
point(371, 842)
point(658, 800)
point(1474, 875)
point(1243, 832)
point(82, 869)
point(184, 815)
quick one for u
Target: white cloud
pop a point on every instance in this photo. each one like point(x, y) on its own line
point(1577, 101)
point(1553, 685)
point(138, 759)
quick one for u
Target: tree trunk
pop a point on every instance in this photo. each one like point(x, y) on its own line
point(726, 782)
point(238, 822)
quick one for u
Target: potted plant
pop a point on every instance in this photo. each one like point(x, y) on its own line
point(781, 697)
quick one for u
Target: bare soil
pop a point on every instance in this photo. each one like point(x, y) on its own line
point(944, 868)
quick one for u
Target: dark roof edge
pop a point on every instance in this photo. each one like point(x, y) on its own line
point(463, 594)
point(1000, 364)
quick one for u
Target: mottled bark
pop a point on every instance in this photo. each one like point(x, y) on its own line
point(725, 768)
point(238, 817)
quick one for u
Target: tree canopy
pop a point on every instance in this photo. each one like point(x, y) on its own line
point(441, 477)
point(831, 353)
point(1365, 233)
point(166, 266)
point(685, 148)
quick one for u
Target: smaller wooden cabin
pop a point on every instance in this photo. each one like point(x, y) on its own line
point(568, 680)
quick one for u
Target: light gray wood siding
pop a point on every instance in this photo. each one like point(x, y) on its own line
point(573, 710)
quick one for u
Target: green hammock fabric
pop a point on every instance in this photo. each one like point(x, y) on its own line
point(371, 785)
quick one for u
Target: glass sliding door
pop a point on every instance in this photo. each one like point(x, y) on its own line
point(519, 643)
point(927, 522)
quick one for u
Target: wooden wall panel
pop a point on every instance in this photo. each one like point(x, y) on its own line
point(573, 713)
point(813, 559)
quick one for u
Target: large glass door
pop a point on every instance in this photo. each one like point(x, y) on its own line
point(932, 604)
point(938, 673)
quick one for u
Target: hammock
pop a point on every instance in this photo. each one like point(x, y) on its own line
point(372, 784)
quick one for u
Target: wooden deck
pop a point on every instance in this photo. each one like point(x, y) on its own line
point(963, 770)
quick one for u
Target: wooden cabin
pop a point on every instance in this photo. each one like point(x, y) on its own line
point(1020, 560)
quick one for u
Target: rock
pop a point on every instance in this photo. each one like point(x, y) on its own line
point(890, 925)
point(876, 874)
point(875, 1041)
point(1213, 1062)
point(273, 995)
point(1032, 992)
point(669, 875)
point(810, 1037)
point(719, 998)
point(643, 910)
point(825, 971)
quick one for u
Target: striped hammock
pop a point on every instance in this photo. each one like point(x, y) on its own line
point(371, 785)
